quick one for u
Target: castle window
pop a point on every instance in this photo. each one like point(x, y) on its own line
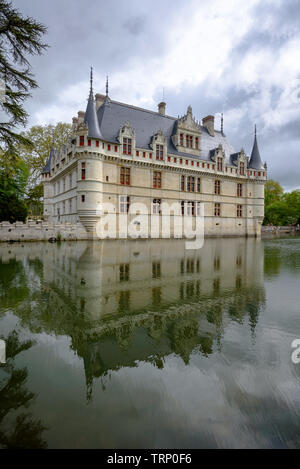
point(150, 155)
point(125, 176)
point(186, 161)
point(82, 170)
point(159, 152)
point(127, 143)
point(189, 141)
point(198, 164)
point(191, 208)
point(192, 163)
point(197, 143)
point(217, 210)
point(97, 143)
point(108, 147)
point(89, 142)
point(239, 211)
point(144, 154)
point(202, 165)
point(180, 160)
point(169, 159)
point(242, 168)
point(220, 164)
point(157, 179)
point(81, 141)
point(217, 187)
point(124, 202)
point(191, 184)
point(137, 153)
point(182, 207)
point(116, 148)
point(182, 185)
point(181, 140)
point(83, 199)
point(175, 160)
point(198, 185)
point(240, 190)
point(156, 206)
point(198, 209)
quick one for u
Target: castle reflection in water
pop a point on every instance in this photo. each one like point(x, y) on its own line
point(122, 302)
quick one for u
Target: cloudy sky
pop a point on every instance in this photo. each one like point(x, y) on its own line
point(240, 58)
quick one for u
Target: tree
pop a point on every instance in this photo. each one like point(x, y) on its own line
point(20, 37)
point(13, 181)
point(273, 192)
point(42, 137)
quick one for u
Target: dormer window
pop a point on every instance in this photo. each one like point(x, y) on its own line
point(242, 168)
point(159, 152)
point(181, 140)
point(219, 164)
point(189, 141)
point(127, 145)
point(197, 143)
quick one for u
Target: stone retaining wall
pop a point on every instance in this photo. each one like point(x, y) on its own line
point(41, 231)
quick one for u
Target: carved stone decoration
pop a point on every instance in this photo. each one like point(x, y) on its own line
point(217, 153)
point(126, 131)
point(158, 138)
point(82, 127)
point(188, 122)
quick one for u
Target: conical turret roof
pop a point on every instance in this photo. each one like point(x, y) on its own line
point(90, 117)
point(255, 160)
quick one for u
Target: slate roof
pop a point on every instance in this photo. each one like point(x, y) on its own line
point(46, 168)
point(112, 115)
point(255, 160)
point(90, 117)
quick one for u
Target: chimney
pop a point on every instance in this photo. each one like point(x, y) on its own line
point(100, 98)
point(74, 122)
point(208, 122)
point(81, 115)
point(162, 108)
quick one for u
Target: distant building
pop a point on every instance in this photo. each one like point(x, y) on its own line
point(122, 154)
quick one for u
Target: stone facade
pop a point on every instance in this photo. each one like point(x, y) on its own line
point(189, 164)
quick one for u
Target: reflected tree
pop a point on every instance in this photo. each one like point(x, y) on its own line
point(18, 429)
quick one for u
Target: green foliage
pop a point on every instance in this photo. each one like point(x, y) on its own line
point(281, 208)
point(41, 137)
point(20, 37)
point(13, 180)
point(273, 192)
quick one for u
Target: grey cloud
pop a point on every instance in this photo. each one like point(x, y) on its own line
point(117, 35)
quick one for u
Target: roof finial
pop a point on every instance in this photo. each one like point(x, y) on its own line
point(91, 79)
point(107, 86)
point(163, 95)
point(222, 122)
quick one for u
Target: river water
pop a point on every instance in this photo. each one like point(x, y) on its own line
point(144, 344)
